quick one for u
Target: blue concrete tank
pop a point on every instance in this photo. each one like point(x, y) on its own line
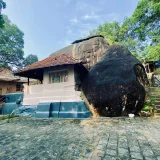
point(12, 101)
point(77, 109)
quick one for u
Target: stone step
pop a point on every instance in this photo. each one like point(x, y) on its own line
point(154, 94)
point(156, 91)
point(157, 102)
point(157, 106)
point(152, 89)
point(157, 110)
point(155, 99)
point(156, 114)
point(67, 93)
point(44, 99)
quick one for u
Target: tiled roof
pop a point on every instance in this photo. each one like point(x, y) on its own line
point(5, 71)
point(57, 60)
point(12, 78)
point(7, 75)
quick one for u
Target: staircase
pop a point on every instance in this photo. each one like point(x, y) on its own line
point(154, 92)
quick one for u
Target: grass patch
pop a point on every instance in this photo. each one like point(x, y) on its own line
point(7, 117)
point(75, 121)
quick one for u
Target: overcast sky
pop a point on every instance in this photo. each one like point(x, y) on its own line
point(49, 25)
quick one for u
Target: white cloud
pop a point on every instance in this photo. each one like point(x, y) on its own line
point(86, 16)
point(74, 20)
point(101, 17)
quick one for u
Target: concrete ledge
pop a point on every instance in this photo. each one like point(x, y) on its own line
point(74, 114)
point(43, 110)
point(59, 109)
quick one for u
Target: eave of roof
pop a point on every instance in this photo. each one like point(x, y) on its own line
point(8, 76)
point(12, 78)
point(62, 59)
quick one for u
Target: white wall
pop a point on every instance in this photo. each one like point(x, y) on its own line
point(70, 69)
point(51, 92)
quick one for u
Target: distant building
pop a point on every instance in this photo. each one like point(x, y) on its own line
point(10, 83)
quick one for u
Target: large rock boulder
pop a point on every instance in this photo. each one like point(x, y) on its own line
point(115, 85)
point(89, 50)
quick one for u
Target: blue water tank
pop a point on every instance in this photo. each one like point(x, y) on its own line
point(12, 101)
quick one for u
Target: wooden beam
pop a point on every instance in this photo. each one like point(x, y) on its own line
point(28, 81)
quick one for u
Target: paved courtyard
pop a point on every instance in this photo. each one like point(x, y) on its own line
point(90, 139)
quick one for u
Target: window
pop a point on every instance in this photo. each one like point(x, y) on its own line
point(58, 77)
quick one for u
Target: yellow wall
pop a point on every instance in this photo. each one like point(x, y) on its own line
point(11, 86)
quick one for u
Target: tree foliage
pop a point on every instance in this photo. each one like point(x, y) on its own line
point(2, 6)
point(146, 20)
point(144, 27)
point(109, 30)
point(151, 53)
point(114, 32)
point(30, 59)
point(11, 45)
point(140, 32)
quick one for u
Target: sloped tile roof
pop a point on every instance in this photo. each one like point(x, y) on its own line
point(5, 71)
point(57, 60)
point(8, 76)
point(12, 78)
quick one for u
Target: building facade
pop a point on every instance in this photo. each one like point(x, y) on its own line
point(10, 83)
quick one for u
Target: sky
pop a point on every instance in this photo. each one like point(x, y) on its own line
point(50, 25)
